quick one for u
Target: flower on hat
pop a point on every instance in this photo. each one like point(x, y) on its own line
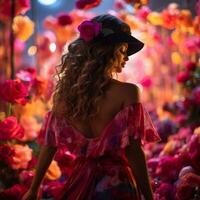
point(87, 4)
point(89, 30)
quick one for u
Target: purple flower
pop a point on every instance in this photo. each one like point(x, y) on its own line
point(88, 30)
point(196, 95)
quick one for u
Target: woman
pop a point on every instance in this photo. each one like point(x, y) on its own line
point(100, 120)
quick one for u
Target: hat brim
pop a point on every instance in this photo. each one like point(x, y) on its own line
point(134, 45)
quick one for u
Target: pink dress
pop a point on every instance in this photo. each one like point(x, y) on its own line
point(101, 170)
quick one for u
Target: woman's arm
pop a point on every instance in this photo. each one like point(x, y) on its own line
point(137, 161)
point(45, 157)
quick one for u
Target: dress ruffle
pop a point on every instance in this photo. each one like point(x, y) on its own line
point(47, 135)
point(139, 126)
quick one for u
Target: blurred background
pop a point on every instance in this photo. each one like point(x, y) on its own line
point(34, 34)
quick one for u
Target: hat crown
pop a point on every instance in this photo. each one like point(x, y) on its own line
point(110, 22)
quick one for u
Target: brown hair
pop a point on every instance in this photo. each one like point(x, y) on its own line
point(83, 76)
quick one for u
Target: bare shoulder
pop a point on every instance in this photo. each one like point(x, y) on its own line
point(130, 93)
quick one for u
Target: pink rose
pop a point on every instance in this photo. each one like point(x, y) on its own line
point(146, 82)
point(14, 91)
point(119, 4)
point(87, 4)
point(16, 192)
point(143, 12)
point(9, 129)
point(31, 127)
point(88, 30)
point(6, 153)
point(64, 19)
point(183, 77)
point(23, 154)
point(27, 74)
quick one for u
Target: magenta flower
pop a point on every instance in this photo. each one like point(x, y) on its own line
point(143, 12)
point(183, 77)
point(88, 30)
point(10, 129)
point(189, 186)
point(15, 192)
point(87, 4)
point(26, 177)
point(14, 91)
point(146, 82)
point(165, 191)
point(196, 95)
point(167, 168)
point(64, 19)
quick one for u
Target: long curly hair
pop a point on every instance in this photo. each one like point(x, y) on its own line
point(84, 75)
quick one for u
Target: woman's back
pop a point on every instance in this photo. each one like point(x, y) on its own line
point(118, 95)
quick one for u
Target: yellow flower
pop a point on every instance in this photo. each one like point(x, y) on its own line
point(176, 58)
point(23, 27)
point(53, 171)
point(155, 18)
point(177, 36)
point(169, 147)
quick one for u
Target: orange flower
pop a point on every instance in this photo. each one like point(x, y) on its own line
point(169, 19)
point(53, 171)
point(31, 128)
point(184, 20)
point(196, 25)
point(23, 27)
point(23, 154)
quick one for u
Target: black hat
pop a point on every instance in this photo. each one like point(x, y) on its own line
point(115, 30)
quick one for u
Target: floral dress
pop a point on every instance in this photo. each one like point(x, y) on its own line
point(101, 170)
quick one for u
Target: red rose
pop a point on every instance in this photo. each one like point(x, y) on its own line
point(88, 30)
point(87, 4)
point(9, 128)
point(190, 66)
point(183, 77)
point(26, 177)
point(64, 19)
point(22, 6)
point(15, 192)
point(188, 186)
point(14, 91)
point(6, 153)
